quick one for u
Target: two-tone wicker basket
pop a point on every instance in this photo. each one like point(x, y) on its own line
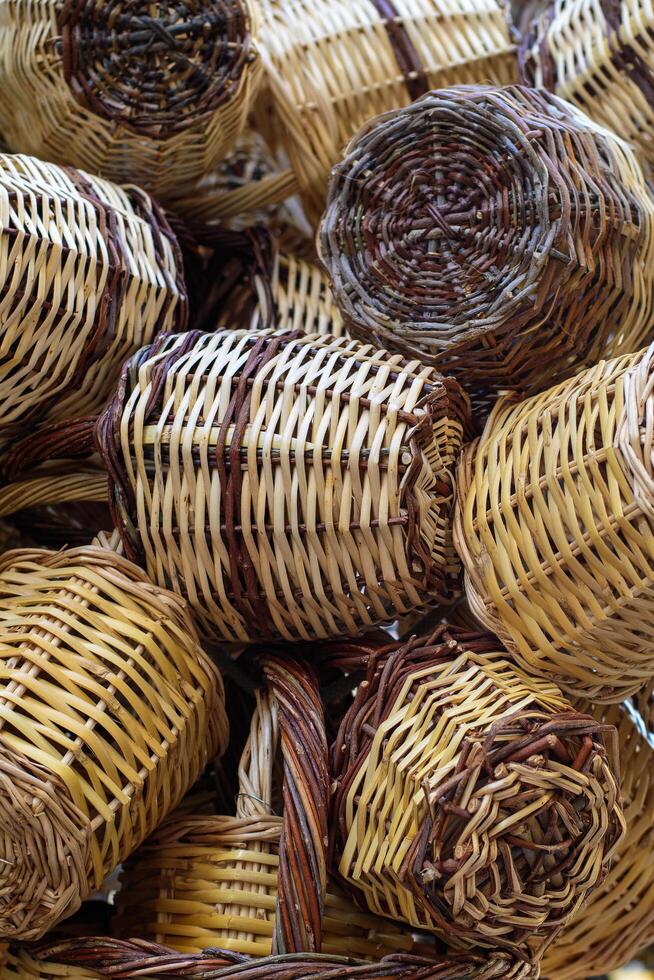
point(496, 233)
point(156, 94)
point(555, 527)
point(470, 799)
point(109, 710)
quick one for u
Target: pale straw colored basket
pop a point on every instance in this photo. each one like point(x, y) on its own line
point(470, 799)
point(89, 272)
point(109, 710)
point(555, 527)
point(152, 93)
point(332, 64)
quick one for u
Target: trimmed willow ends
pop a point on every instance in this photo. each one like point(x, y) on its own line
point(109, 712)
point(156, 93)
point(555, 528)
point(496, 233)
point(89, 272)
point(470, 799)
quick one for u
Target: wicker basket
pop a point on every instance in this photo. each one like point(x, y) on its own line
point(599, 57)
point(332, 64)
point(498, 234)
point(289, 486)
point(617, 922)
point(154, 94)
point(21, 965)
point(555, 529)
point(109, 712)
point(88, 273)
point(212, 881)
point(470, 799)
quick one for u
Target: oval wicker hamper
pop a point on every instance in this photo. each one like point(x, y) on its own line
point(109, 710)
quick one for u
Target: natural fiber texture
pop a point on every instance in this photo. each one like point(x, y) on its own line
point(211, 881)
point(290, 486)
point(332, 64)
point(21, 965)
point(121, 959)
point(157, 95)
point(498, 234)
point(88, 273)
point(470, 799)
point(555, 529)
point(598, 56)
point(109, 711)
point(617, 922)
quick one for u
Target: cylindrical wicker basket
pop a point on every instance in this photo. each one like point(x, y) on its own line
point(617, 922)
point(497, 234)
point(88, 273)
point(555, 527)
point(109, 711)
point(332, 64)
point(156, 94)
point(290, 486)
point(599, 56)
point(470, 799)
point(205, 881)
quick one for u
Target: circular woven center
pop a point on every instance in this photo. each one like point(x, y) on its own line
point(154, 67)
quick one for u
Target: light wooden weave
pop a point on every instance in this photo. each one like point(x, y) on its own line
point(470, 799)
point(597, 55)
point(153, 93)
point(555, 527)
point(109, 710)
point(332, 64)
point(496, 233)
point(617, 922)
point(88, 273)
point(211, 881)
point(21, 965)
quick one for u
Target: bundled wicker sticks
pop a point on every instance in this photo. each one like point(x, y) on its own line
point(496, 233)
point(332, 64)
point(108, 712)
point(157, 94)
point(555, 528)
point(88, 272)
point(470, 799)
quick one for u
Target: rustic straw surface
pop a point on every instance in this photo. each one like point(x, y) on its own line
point(554, 525)
point(211, 881)
point(21, 965)
point(470, 799)
point(110, 710)
point(88, 273)
point(155, 93)
point(122, 959)
point(617, 922)
point(599, 57)
point(498, 234)
point(332, 64)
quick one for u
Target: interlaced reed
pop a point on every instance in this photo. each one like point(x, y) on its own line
point(156, 93)
point(470, 799)
point(89, 272)
point(332, 64)
point(554, 527)
point(496, 233)
point(109, 712)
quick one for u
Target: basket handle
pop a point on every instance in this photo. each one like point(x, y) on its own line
point(256, 766)
point(302, 876)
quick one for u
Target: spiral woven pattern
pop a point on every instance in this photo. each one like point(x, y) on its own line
point(599, 57)
point(89, 272)
point(290, 486)
point(109, 710)
point(554, 526)
point(332, 64)
point(498, 234)
point(153, 93)
point(617, 922)
point(470, 799)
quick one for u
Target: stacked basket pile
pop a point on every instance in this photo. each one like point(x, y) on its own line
point(326, 489)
